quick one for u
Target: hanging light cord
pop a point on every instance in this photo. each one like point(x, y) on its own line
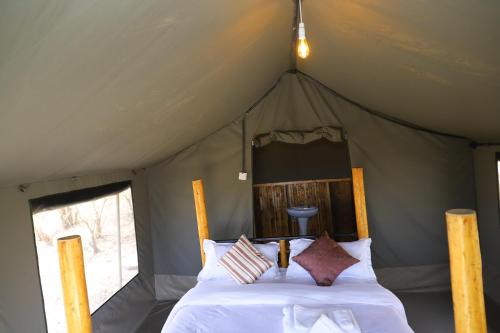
point(300, 10)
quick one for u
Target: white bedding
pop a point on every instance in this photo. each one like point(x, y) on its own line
point(224, 306)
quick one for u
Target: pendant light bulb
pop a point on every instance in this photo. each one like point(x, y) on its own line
point(302, 45)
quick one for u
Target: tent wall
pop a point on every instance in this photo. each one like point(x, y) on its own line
point(217, 160)
point(411, 178)
point(488, 216)
point(20, 291)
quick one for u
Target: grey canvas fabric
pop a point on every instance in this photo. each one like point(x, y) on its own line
point(411, 178)
point(217, 160)
point(418, 61)
point(488, 206)
point(120, 84)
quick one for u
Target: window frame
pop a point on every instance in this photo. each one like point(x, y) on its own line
point(61, 199)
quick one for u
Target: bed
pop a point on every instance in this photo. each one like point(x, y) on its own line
point(270, 305)
point(223, 306)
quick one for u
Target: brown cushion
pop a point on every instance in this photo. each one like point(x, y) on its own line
point(324, 259)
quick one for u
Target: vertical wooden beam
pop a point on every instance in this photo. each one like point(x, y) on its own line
point(283, 254)
point(466, 271)
point(201, 215)
point(358, 189)
point(74, 286)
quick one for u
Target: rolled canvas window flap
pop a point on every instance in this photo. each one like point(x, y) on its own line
point(73, 197)
point(332, 134)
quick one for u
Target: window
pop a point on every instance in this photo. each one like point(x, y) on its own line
point(104, 218)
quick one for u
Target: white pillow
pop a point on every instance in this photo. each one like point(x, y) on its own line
point(214, 251)
point(359, 249)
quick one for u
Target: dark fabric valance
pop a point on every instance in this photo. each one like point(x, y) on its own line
point(73, 197)
point(333, 134)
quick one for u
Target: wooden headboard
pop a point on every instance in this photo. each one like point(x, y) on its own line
point(358, 187)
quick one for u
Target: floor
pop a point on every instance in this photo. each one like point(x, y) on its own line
point(154, 322)
point(433, 312)
point(430, 312)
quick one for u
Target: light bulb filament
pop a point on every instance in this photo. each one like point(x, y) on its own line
point(302, 45)
point(303, 48)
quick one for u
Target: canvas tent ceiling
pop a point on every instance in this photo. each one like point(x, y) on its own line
point(87, 87)
point(433, 63)
point(102, 85)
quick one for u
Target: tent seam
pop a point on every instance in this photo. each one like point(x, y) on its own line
point(382, 114)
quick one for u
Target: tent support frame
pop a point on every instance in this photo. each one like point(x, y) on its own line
point(466, 271)
point(201, 215)
point(76, 302)
point(358, 190)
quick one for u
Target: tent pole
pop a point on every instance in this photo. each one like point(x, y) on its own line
point(466, 271)
point(74, 286)
point(201, 215)
point(358, 188)
point(283, 254)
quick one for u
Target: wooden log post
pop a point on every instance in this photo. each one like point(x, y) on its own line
point(283, 254)
point(201, 215)
point(74, 286)
point(358, 189)
point(466, 271)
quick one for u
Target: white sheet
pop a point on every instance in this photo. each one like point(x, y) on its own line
point(224, 306)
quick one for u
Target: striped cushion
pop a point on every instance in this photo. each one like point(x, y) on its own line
point(243, 262)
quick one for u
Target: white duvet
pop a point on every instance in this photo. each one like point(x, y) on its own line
point(224, 306)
